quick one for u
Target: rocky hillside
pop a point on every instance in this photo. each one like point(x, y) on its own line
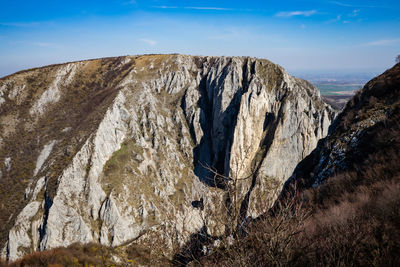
point(363, 139)
point(112, 150)
point(341, 205)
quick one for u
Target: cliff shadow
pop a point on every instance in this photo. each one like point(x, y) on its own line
point(211, 157)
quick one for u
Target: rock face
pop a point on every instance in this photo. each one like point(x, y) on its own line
point(363, 139)
point(109, 150)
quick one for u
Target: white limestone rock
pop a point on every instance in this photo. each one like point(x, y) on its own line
point(63, 77)
point(44, 154)
point(139, 170)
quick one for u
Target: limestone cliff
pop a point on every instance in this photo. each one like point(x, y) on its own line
point(109, 150)
point(363, 144)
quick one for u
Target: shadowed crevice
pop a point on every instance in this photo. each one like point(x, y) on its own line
point(48, 202)
point(208, 152)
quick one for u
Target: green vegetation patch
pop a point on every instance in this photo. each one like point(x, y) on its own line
point(121, 162)
point(270, 73)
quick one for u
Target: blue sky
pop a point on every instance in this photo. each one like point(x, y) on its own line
point(304, 35)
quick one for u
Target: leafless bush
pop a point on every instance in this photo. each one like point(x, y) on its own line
point(271, 240)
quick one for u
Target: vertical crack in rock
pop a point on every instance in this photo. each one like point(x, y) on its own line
point(202, 153)
point(214, 150)
point(48, 202)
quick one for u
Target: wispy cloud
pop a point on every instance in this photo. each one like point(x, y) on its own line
point(208, 8)
point(383, 42)
point(130, 2)
point(148, 41)
point(19, 24)
point(341, 4)
point(296, 13)
point(355, 13)
point(165, 7)
point(353, 5)
point(338, 18)
point(195, 8)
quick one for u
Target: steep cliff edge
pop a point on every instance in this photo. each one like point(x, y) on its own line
point(363, 141)
point(109, 150)
point(341, 205)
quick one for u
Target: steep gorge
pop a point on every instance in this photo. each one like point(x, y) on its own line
point(112, 149)
point(340, 207)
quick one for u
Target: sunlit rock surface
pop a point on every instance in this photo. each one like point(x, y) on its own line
point(109, 150)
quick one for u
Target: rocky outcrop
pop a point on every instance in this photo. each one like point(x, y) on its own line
point(110, 150)
point(363, 141)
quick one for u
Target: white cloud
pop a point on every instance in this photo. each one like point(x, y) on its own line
point(351, 5)
point(340, 3)
point(148, 41)
point(296, 13)
point(338, 18)
point(382, 42)
point(355, 13)
point(208, 8)
point(195, 8)
point(165, 7)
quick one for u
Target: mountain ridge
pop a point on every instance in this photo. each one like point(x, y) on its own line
point(110, 150)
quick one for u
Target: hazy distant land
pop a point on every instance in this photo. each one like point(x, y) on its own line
point(337, 95)
point(337, 87)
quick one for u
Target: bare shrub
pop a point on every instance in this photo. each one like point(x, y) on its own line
point(74, 255)
point(270, 240)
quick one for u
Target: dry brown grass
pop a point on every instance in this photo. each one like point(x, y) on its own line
point(74, 255)
point(361, 229)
